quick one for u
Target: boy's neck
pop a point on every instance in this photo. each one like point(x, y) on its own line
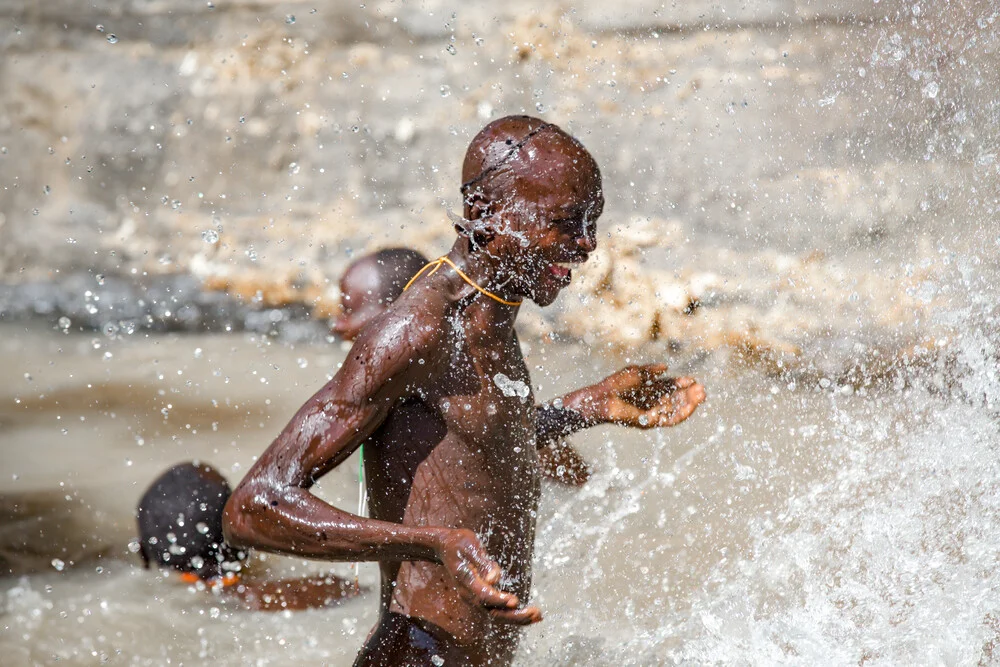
point(483, 270)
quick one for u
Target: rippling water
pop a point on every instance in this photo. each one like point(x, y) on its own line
point(794, 519)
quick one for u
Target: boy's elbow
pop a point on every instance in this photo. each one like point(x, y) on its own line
point(239, 518)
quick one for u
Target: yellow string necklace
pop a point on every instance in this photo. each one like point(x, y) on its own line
point(444, 260)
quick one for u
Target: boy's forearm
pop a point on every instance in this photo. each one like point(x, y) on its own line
point(294, 521)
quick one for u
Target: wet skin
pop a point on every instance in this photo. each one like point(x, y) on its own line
point(364, 287)
point(451, 461)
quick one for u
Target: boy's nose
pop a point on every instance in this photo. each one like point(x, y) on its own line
point(588, 240)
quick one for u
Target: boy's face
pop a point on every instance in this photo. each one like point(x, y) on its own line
point(549, 219)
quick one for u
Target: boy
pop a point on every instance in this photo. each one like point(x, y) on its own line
point(438, 391)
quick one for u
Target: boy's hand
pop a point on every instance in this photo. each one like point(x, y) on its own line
point(638, 396)
point(477, 575)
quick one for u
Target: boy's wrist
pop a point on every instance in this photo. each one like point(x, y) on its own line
point(583, 404)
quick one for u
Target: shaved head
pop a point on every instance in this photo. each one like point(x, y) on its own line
point(514, 148)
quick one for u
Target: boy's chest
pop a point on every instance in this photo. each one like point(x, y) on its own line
point(483, 393)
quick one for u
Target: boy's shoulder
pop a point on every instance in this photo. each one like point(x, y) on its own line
point(414, 326)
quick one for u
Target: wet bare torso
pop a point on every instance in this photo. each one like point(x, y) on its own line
point(458, 452)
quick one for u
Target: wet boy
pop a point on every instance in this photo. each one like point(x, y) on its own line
point(438, 391)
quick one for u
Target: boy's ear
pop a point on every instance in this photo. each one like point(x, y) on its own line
point(477, 207)
point(478, 225)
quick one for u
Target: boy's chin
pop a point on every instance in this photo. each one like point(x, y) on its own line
point(546, 296)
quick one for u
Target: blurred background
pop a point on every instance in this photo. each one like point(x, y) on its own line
point(802, 210)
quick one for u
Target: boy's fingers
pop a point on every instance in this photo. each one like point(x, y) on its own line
point(683, 383)
point(652, 370)
point(487, 566)
point(522, 616)
point(482, 593)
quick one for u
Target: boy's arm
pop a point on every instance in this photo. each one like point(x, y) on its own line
point(635, 396)
point(272, 508)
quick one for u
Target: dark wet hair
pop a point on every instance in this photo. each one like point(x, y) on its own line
point(180, 521)
point(396, 267)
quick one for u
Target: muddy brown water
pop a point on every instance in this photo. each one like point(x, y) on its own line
point(784, 522)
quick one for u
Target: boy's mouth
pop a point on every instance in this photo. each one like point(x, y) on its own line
point(562, 271)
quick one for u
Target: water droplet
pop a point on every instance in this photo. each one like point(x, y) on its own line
point(290, 19)
point(197, 353)
point(539, 107)
point(64, 323)
point(100, 27)
point(58, 564)
point(437, 660)
point(445, 91)
point(112, 39)
point(210, 236)
point(201, 527)
point(302, 362)
point(451, 49)
point(47, 190)
point(931, 90)
point(643, 420)
point(293, 168)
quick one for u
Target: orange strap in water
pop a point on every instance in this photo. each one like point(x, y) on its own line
point(225, 581)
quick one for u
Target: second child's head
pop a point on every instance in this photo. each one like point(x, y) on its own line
point(370, 284)
point(180, 522)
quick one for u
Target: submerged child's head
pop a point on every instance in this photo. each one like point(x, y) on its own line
point(180, 522)
point(370, 284)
